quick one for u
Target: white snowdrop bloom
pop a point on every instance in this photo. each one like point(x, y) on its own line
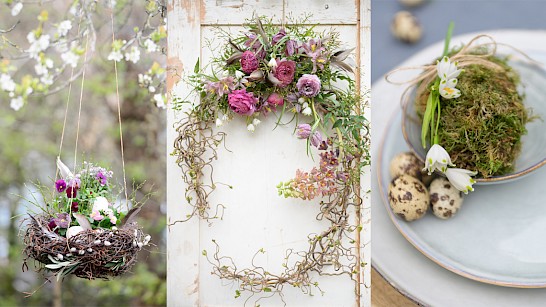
point(6, 83)
point(437, 159)
point(151, 89)
point(17, 103)
point(256, 122)
point(115, 56)
point(250, 127)
point(272, 62)
point(219, 122)
point(70, 58)
point(64, 27)
point(239, 74)
point(16, 9)
point(150, 46)
point(159, 101)
point(447, 88)
point(133, 55)
point(301, 100)
point(307, 111)
point(460, 179)
point(447, 70)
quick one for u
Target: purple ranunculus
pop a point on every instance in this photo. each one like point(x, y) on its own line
point(71, 192)
point(275, 100)
point(102, 178)
point(242, 102)
point(308, 85)
point(60, 185)
point(316, 139)
point(249, 62)
point(303, 131)
point(62, 220)
point(284, 72)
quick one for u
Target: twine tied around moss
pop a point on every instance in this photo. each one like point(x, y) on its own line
point(473, 53)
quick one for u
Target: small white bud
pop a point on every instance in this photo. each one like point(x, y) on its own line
point(81, 252)
point(97, 242)
point(250, 127)
point(114, 228)
point(272, 62)
point(107, 243)
point(60, 256)
point(256, 122)
point(301, 100)
point(90, 250)
point(139, 244)
point(219, 122)
point(239, 74)
point(68, 255)
point(73, 249)
point(307, 111)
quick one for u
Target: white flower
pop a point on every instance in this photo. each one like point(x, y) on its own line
point(437, 159)
point(114, 228)
point(307, 111)
point(460, 179)
point(115, 56)
point(272, 63)
point(151, 89)
point(133, 55)
point(447, 88)
point(147, 239)
point(256, 122)
point(70, 58)
point(250, 127)
point(301, 100)
point(225, 117)
point(37, 45)
point(17, 103)
point(159, 101)
point(150, 46)
point(101, 204)
point(219, 122)
point(447, 70)
point(16, 9)
point(6, 83)
point(47, 79)
point(64, 27)
point(239, 74)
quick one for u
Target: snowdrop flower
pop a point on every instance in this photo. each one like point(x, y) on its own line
point(307, 111)
point(447, 88)
point(133, 55)
point(460, 179)
point(225, 117)
point(159, 101)
point(150, 46)
point(64, 27)
point(219, 122)
point(250, 127)
point(447, 70)
point(6, 83)
point(239, 74)
point(17, 103)
point(16, 9)
point(272, 62)
point(70, 58)
point(115, 55)
point(37, 45)
point(256, 122)
point(437, 159)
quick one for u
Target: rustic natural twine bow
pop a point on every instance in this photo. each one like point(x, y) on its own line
point(472, 53)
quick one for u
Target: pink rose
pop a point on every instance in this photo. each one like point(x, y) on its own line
point(275, 99)
point(249, 62)
point(284, 72)
point(242, 102)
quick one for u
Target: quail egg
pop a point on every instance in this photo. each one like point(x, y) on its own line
point(408, 197)
point(406, 27)
point(405, 163)
point(445, 199)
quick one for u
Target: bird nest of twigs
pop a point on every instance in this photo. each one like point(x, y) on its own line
point(99, 253)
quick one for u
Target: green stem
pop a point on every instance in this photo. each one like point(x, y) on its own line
point(436, 140)
point(448, 38)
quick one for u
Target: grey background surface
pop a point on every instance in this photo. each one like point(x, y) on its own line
point(435, 15)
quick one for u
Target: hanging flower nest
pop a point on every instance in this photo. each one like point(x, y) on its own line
point(80, 232)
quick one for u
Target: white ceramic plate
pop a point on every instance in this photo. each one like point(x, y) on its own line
point(497, 237)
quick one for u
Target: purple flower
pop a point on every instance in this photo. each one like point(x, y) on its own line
point(62, 220)
point(249, 62)
point(291, 47)
point(277, 37)
point(316, 139)
point(316, 52)
point(101, 178)
point(242, 102)
point(71, 192)
point(308, 85)
point(303, 131)
point(275, 100)
point(284, 72)
point(255, 45)
point(60, 185)
point(75, 183)
point(221, 87)
point(75, 206)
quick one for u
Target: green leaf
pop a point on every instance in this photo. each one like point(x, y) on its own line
point(237, 293)
point(337, 123)
point(448, 38)
point(266, 289)
point(196, 68)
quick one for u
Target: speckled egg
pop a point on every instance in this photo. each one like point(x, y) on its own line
point(405, 163)
point(408, 197)
point(406, 27)
point(445, 199)
point(412, 3)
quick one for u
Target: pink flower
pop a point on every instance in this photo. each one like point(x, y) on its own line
point(316, 139)
point(242, 102)
point(249, 62)
point(275, 99)
point(112, 218)
point(277, 37)
point(96, 215)
point(308, 85)
point(316, 52)
point(303, 131)
point(284, 72)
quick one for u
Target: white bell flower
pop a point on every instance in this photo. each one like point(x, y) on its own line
point(460, 179)
point(447, 70)
point(250, 127)
point(437, 159)
point(447, 88)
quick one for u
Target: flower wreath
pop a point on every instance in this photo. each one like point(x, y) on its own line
point(288, 71)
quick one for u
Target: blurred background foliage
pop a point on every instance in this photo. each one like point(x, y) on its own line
point(29, 143)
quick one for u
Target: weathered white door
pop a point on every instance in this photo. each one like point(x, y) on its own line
point(255, 216)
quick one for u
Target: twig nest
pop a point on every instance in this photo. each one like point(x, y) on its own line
point(406, 27)
point(408, 197)
point(412, 3)
point(444, 198)
point(405, 163)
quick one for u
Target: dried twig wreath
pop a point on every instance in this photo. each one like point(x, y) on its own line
point(291, 71)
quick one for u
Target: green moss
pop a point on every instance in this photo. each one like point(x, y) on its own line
point(482, 129)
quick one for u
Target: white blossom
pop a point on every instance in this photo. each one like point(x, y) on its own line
point(272, 63)
point(307, 111)
point(70, 58)
point(219, 122)
point(256, 122)
point(239, 74)
point(225, 117)
point(150, 46)
point(64, 27)
point(447, 88)
point(437, 159)
point(16, 9)
point(460, 179)
point(37, 45)
point(447, 70)
point(159, 101)
point(133, 55)
point(151, 89)
point(250, 127)
point(6, 83)
point(115, 55)
point(47, 79)
point(17, 103)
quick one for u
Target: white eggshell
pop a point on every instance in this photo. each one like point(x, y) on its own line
point(408, 198)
